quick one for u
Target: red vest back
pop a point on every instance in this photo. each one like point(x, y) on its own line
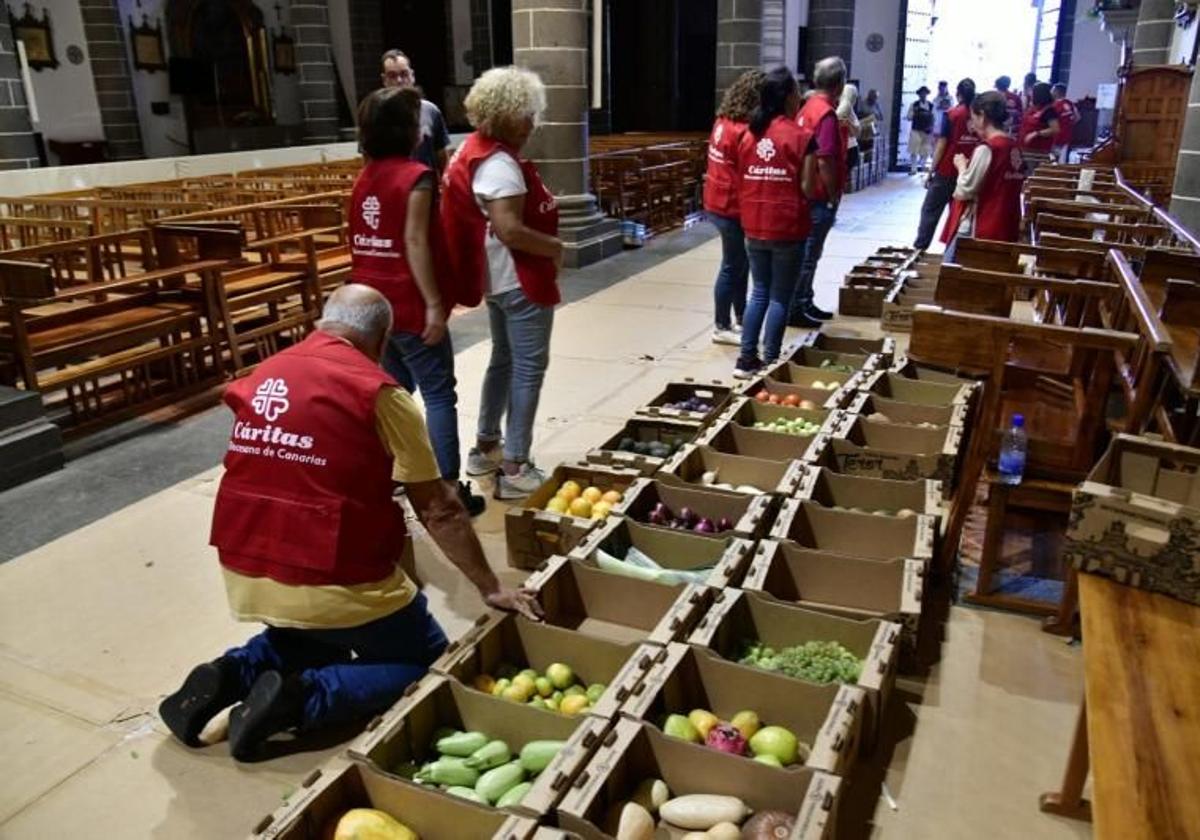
point(378, 214)
point(960, 140)
point(815, 109)
point(770, 169)
point(1067, 117)
point(1031, 122)
point(306, 498)
point(998, 207)
point(720, 180)
point(466, 225)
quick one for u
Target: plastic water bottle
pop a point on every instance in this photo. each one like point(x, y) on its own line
point(1012, 452)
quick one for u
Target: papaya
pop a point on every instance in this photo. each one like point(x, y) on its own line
point(369, 824)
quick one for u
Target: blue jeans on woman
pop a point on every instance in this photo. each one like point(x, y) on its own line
point(774, 267)
point(823, 217)
point(347, 673)
point(430, 370)
point(512, 384)
point(732, 276)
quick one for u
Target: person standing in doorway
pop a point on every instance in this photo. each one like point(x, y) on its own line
point(870, 117)
point(954, 138)
point(851, 127)
point(1039, 127)
point(435, 139)
point(943, 102)
point(819, 117)
point(1031, 81)
point(1012, 102)
point(1068, 116)
point(920, 116)
point(721, 204)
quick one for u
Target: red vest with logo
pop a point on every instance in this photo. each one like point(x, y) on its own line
point(720, 180)
point(960, 140)
point(466, 225)
point(1031, 122)
point(770, 169)
point(998, 203)
point(306, 498)
point(1067, 117)
point(815, 109)
point(378, 214)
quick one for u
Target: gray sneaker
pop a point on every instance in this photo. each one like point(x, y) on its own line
point(520, 485)
point(484, 463)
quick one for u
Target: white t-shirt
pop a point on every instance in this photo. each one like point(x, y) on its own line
point(499, 176)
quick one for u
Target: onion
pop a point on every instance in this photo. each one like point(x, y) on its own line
point(662, 510)
point(687, 515)
point(705, 526)
point(656, 518)
point(723, 524)
point(769, 825)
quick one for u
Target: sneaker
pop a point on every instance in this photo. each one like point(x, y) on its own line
point(817, 313)
point(519, 485)
point(474, 504)
point(804, 321)
point(274, 705)
point(483, 463)
point(730, 337)
point(208, 689)
point(746, 368)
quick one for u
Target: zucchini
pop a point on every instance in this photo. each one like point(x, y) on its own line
point(466, 793)
point(448, 771)
point(492, 754)
point(500, 780)
point(537, 755)
point(461, 744)
point(514, 795)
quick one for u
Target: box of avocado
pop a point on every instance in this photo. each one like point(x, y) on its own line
point(644, 444)
point(832, 342)
point(704, 466)
point(458, 743)
point(932, 452)
point(689, 787)
point(622, 546)
point(884, 410)
point(756, 631)
point(556, 516)
point(704, 510)
point(691, 691)
point(344, 784)
point(861, 494)
point(855, 534)
point(696, 402)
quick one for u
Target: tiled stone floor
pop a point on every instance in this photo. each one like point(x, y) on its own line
point(98, 624)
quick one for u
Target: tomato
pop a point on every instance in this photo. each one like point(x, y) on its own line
point(762, 396)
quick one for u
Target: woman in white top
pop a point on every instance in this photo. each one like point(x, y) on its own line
point(847, 114)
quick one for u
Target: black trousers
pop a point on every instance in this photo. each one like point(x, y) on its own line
point(937, 195)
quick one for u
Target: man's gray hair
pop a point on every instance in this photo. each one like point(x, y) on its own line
point(829, 74)
point(368, 315)
point(391, 55)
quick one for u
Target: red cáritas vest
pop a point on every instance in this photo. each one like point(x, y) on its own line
point(960, 140)
point(770, 169)
point(998, 204)
point(306, 498)
point(1031, 122)
point(1067, 117)
point(815, 109)
point(720, 179)
point(378, 213)
point(466, 225)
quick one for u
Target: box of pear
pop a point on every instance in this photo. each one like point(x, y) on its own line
point(907, 451)
point(879, 409)
point(757, 631)
point(622, 546)
point(830, 342)
point(641, 783)
point(556, 516)
point(342, 787)
point(690, 692)
point(679, 506)
point(644, 444)
point(704, 466)
point(877, 535)
point(689, 400)
point(860, 494)
point(442, 735)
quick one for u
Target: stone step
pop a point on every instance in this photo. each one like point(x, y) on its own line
point(29, 451)
point(18, 407)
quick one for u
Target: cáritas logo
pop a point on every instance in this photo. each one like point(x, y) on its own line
point(371, 211)
point(271, 399)
point(765, 149)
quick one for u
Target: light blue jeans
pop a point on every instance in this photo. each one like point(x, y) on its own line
point(512, 384)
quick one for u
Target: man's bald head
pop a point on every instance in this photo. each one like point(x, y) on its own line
point(359, 314)
point(830, 75)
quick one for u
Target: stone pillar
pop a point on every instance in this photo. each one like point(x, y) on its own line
point(830, 31)
point(481, 36)
point(773, 33)
point(105, 35)
point(366, 36)
point(739, 40)
point(550, 38)
point(18, 150)
point(1152, 37)
point(1185, 196)
point(314, 61)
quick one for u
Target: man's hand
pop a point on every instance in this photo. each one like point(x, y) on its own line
point(435, 326)
point(521, 601)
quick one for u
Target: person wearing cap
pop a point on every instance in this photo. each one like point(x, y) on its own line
point(920, 137)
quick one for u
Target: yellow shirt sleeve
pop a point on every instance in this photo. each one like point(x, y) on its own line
point(402, 430)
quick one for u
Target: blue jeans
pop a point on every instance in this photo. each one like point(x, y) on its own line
point(430, 370)
point(512, 384)
point(810, 252)
point(730, 290)
point(773, 266)
point(352, 672)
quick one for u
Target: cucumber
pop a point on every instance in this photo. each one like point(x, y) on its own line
point(466, 793)
point(500, 780)
point(492, 754)
point(514, 795)
point(461, 744)
point(448, 771)
point(536, 755)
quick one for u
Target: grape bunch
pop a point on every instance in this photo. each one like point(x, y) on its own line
point(819, 662)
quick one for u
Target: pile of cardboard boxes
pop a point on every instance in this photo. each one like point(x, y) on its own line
point(888, 285)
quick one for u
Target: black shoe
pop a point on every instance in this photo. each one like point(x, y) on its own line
point(274, 704)
point(474, 504)
point(803, 320)
point(208, 689)
point(817, 313)
point(746, 368)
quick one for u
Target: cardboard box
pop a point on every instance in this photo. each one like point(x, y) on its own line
point(642, 429)
point(901, 388)
point(828, 718)
point(811, 357)
point(788, 373)
point(839, 584)
point(909, 369)
point(866, 405)
point(716, 393)
point(632, 752)
point(900, 301)
point(692, 463)
point(855, 534)
point(750, 515)
point(726, 556)
point(738, 617)
point(534, 534)
point(835, 342)
point(747, 411)
point(913, 451)
point(1136, 518)
point(404, 735)
point(607, 606)
point(848, 458)
point(342, 784)
point(834, 490)
point(861, 295)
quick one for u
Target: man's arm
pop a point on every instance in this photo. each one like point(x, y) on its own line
point(943, 133)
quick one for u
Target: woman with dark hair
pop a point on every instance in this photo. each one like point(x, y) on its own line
point(775, 175)
point(397, 248)
point(1039, 126)
point(987, 198)
point(721, 203)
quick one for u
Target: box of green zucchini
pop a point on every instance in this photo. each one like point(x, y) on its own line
point(467, 745)
point(879, 409)
point(678, 506)
point(641, 783)
point(689, 400)
point(644, 444)
point(331, 800)
point(862, 494)
point(756, 631)
point(622, 546)
point(704, 466)
point(913, 451)
point(856, 534)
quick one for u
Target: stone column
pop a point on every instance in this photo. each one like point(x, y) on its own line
point(105, 36)
point(481, 36)
point(830, 31)
point(1185, 196)
point(739, 40)
point(773, 33)
point(314, 61)
point(18, 150)
point(366, 36)
point(1152, 37)
point(550, 38)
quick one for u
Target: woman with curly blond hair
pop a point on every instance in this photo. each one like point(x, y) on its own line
point(501, 226)
point(721, 202)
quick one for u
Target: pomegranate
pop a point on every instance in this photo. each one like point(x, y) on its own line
point(726, 738)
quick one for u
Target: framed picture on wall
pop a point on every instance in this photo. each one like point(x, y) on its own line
point(147, 43)
point(284, 48)
point(37, 37)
